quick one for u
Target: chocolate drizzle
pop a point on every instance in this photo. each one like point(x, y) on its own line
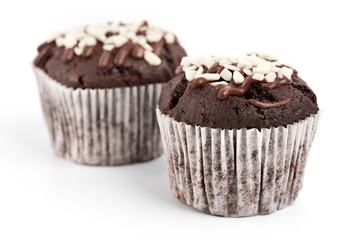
point(213, 68)
point(278, 82)
point(269, 105)
point(233, 89)
point(88, 51)
point(68, 54)
point(122, 54)
point(137, 51)
point(45, 52)
point(240, 90)
point(220, 70)
point(105, 60)
point(198, 82)
point(42, 46)
point(129, 48)
point(158, 46)
point(178, 70)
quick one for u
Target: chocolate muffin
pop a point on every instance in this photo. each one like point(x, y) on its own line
point(99, 85)
point(236, 133)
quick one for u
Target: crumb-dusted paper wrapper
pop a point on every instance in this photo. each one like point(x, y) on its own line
point(236, 173)
point(111, 126)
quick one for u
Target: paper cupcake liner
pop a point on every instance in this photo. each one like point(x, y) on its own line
point(236, 173)
point(111, 126)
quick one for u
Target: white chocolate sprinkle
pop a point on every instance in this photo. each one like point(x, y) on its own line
point(263, 68)
point(270, 77)
point(232, 59)
point(224, 61)
point(60, 41)
point(248, 71)
point(152, 58)
point(169, 38)
point(53, 36)
point(195, 62)
point(190, 74)
point(255, 60)
point(108, 47)
point(87, 41)
point(70, 41)
point(258, 76)
point(153, 36)
point(275, 69)
point(226, 74)
point(264, 55)
point(218, 83)
point(116, 40)
point(191, 67)
point(142, 42)
point(78, 50)
point(131, 35)
point(238, 77)
point(231, 67)
point(209, 63)
point(199, 72)
point(287, 72)
point(185, 61)
point(267, 56)
point(244, 63)
point(211, 76)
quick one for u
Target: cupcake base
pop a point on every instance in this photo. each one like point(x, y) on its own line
point(236, 173)
point(112, 126)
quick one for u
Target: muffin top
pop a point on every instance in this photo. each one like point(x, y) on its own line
point(111, 55)
point(253, 91)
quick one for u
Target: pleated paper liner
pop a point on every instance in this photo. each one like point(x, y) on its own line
point(111, 126)
point(236, 173)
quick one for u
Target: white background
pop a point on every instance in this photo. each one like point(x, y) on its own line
point(45, 197)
